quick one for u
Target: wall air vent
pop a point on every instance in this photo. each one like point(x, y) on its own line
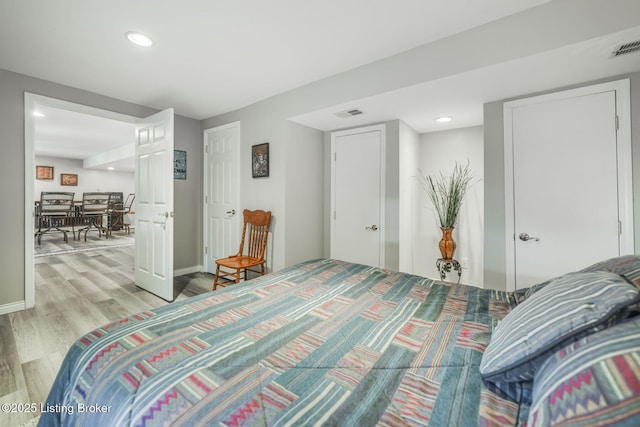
point(348, 113)
point(626, 48)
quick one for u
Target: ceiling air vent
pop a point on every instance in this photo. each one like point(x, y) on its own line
point(348, 113)
point(626, 48)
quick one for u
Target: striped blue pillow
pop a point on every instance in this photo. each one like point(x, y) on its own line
point(628, 266)
point(568, 308)
point(594, 381)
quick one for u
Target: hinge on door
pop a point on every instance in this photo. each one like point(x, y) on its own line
point(206, 148)
point(206, 250)
point(335, 155)
point(617, 122)
point(619, 227)
point(334, 215)
point(206, 199)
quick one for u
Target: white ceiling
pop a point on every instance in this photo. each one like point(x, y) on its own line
point(462, 96)
point(74, 135)
point(214, 56)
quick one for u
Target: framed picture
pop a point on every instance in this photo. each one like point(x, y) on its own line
point(44, 172)
point(68, 179)
point(260, 160)
point(179, 164)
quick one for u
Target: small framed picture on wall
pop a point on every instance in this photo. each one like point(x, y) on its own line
point(44, 172)
point(68, 179)
point(179, 164)
point(260, 160)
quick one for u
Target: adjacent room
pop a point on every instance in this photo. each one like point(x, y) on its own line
point(327, 213)
point(78, 156)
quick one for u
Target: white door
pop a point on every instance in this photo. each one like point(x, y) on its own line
point(221, 188)
point(154, 204)
point(357, 189)
point(565, 154)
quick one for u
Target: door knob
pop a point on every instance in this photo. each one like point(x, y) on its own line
point(372, 227)
point(525, 237)
point(231, 212)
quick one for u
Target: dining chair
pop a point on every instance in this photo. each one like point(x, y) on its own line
point(117, 213)
point(94, 208)
point(251, 254)
point(55, 213)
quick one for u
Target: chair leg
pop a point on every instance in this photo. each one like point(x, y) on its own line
point(215, 279)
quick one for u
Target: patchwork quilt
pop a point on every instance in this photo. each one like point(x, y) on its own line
point(324, 342)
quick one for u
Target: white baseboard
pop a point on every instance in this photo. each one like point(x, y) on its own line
point(12, 307)
point(188, 270)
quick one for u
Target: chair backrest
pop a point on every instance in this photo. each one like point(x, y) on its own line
point(129, 202)
point(95, 203)
point(255, 233)
point(55, 203)
point(115, 200)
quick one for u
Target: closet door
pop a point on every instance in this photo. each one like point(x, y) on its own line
point(357, 195)
point(568, 189)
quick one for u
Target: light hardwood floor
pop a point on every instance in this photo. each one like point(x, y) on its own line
point(75, 293)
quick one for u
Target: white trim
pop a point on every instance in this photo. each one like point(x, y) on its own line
point(12, 307)
point(30, 102)
point(625, 177)
point(188, 270)
point(205, 188)
point(625, 167)
point(383, 144)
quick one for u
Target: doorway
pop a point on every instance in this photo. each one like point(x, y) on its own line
point(568, 181)
point(32, 103)
point(357, 195)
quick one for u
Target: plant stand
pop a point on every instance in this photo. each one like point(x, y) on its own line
point(445, 266)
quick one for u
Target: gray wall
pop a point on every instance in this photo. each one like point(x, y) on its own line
point(304, 230)
point(188, 197)
point(12, 164)
point(494, 208)
point(293, 190)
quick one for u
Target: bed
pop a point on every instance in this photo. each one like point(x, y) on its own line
point(324, 342)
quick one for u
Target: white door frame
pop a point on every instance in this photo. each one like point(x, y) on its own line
point(31, 101)
point(625, 178)
point(205, 188)
point(382, 228)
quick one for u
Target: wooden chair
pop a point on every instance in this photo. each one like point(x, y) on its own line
point(255, 232)
point(55, 213)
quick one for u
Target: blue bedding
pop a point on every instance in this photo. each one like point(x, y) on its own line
point(323, 342)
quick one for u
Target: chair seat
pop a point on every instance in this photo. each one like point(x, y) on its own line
point(256, 229)
point(239, 262)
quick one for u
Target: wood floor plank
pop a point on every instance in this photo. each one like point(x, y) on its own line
point(9, 361)
point(112, 310)
point(32, 335)
point(88, 289)
point(17, 418)
point(82, 317)
point(40, 374)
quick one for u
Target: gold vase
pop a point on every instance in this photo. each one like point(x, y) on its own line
point(447, 245)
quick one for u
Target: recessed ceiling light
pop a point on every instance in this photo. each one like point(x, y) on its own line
point(444, 119)
point(38, 114)
point(139, 39)
point(111, 168)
